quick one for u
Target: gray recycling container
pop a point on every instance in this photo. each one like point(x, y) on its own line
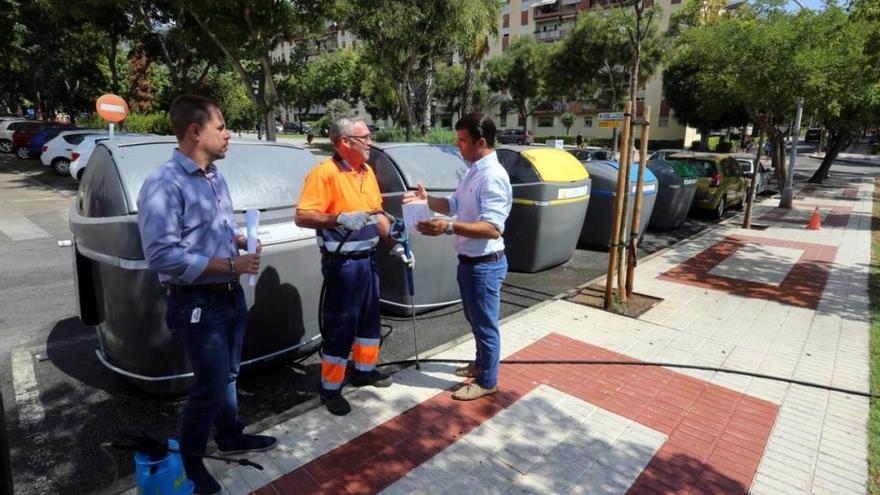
point(551, 192)
point(596, 229)
point(399, 167)
point(676, 186)
point(124, 300)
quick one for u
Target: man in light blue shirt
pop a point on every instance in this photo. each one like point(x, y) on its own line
point(481, 204)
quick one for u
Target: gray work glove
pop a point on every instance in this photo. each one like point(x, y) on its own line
point(398, 251)
point(354, 220)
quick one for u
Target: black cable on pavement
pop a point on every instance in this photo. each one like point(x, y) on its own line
point(647, 363)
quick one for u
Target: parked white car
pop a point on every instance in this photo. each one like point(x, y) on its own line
point(57, 151)
point(79, 158)
point(748, 166)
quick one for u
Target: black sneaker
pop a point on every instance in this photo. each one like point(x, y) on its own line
point(248, 443)
point(337, 405)
point(375, 378)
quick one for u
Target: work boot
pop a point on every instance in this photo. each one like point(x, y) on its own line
point(375, 378)
point(204, 483)
point(469, 371)
point(473, 391)
point(248, 443)
point(337, 405)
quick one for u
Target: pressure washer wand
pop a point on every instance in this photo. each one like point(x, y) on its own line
point(399, 234)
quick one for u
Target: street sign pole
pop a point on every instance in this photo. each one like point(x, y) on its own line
point(787, 196)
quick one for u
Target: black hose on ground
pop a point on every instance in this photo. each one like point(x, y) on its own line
point(647, 363)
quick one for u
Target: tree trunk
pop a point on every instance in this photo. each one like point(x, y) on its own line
point(468, 101)
point(839, 142)
point(114, 71)
point(270, 97)
point(428, 96)
point(704, 139)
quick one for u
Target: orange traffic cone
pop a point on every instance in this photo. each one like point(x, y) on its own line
point(815, 222)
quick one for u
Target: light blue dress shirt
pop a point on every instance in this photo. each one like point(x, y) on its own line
point(483, 194)
point(185, 218)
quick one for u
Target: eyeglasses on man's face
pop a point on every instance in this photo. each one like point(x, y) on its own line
point(364, 137)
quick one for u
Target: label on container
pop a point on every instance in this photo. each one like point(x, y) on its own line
point(688, 182)
point(572, 192)
point(283, 232)
point(645, 188)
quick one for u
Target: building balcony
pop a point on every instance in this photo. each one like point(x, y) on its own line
point(549, 36)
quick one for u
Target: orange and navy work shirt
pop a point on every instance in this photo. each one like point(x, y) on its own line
point(334, 187)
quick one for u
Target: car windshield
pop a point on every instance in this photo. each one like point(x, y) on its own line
point(746, 166)
point(705, 168)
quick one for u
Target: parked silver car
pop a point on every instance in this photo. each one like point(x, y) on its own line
point(748, 166)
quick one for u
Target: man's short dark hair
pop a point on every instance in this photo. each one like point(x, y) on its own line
point(190, 109)
point(478, 125)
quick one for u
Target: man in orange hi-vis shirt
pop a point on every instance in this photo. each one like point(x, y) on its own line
point(340, 199)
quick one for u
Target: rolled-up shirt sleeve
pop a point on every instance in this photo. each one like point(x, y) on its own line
point(496, 197)
point(452, 199)
point(160, 214)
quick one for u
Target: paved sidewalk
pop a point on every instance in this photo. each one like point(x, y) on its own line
point(783, 301)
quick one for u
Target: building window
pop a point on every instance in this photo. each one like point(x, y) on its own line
point(545, 121)
point(502, 119)
point(588, 121)
point(505, 20)
point(663, 121)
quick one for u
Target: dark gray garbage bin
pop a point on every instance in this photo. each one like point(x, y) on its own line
point(399, 167)
point(123, 299)
point(551, 191)
point(677, 184)
point(596, 229)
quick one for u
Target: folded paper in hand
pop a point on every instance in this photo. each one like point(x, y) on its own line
point(414, 213)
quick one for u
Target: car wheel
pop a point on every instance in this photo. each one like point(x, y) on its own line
point(5, 146)
point(23, 153)
point(719, 210)
point(520, 142)
point(61, 166)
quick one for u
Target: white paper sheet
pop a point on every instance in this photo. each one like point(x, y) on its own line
point(414, 213)
point(252, 218)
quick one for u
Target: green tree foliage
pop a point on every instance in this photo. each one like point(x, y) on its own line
point(480, 21)
point(451, 91)
point(521, 73)
point(246, 32)
point(331, 75)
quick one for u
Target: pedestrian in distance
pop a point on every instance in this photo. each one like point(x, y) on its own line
point(190, 238)
point(341, 199)
point(579, 140)
point(482, 204)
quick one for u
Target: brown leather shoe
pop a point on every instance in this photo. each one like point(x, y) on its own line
point(469, 371)
point(473, 391)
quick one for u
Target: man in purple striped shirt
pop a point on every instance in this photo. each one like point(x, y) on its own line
point(191, 240)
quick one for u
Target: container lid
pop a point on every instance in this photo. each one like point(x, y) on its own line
point(683, 168)
point(555, 165)
point(437, 166)
point(259, 175)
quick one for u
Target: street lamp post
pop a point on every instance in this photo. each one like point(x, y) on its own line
point(785, 201)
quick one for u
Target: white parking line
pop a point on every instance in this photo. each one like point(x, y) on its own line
point(19, 228)
point(27, 392)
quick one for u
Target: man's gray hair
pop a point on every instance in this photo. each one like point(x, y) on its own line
point(343, 126)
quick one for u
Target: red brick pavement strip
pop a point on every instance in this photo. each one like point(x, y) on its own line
point(838, 216)
point(802, 287)
point(716, 436)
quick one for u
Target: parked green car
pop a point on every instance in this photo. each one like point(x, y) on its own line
point(721, 183)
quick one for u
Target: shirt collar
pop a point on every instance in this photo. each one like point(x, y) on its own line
point(344, 164)
point(188, 165)
point(485, 161)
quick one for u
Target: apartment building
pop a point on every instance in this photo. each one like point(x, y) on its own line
point(549, 21)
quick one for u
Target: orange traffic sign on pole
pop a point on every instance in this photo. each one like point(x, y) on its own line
point(112, 108)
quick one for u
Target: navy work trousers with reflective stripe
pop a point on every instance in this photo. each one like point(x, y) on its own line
point(350, 316)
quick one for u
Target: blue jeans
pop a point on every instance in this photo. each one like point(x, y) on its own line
point(480, 287)
point(213, 345)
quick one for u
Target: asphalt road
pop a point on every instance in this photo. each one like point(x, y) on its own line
point(61, 403)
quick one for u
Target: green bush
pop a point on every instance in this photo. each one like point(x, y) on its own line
point(146, 123)
point(149, 123)
point(724, 147)
point(398, 135)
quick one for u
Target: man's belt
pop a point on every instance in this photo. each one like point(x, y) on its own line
point(351, 256)
point(475, 260)
point(187, 289)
